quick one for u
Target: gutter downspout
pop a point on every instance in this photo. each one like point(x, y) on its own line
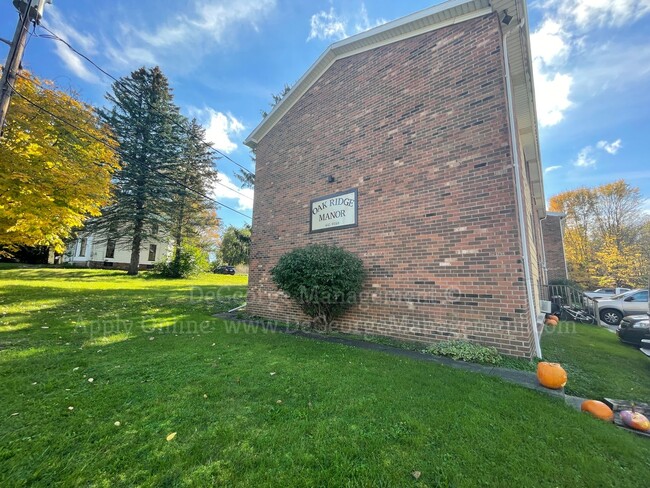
point(544, 263)
point(520, 198)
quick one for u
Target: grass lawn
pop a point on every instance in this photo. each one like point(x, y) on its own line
point(597, 363)
point(252, 408)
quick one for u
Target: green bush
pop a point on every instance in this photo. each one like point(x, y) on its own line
point(466, 351)
point(323, 280)
point(191, 262)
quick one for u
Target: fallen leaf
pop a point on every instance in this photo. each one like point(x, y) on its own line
point(272, 373)
point(416, 474)
point(70, 408)
point(205, 396)
point(117, 423)
point(90, 380)
point(75, 369)
point(171, 436)
point(279, 402)
point(15, 413)
point(151, 338)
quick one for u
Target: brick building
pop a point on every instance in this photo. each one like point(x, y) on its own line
point(422, 134)
point(553, 238)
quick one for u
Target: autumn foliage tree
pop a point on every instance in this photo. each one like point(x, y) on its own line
point(54, 176)
point(606, 239)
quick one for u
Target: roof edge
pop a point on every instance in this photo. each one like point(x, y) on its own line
point(427, 20)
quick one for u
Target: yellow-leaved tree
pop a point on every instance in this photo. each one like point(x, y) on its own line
point(54, 176)
point(606, 235)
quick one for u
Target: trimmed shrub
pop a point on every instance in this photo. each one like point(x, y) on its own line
point(323, 280)
point(466, 351)
point(192, 262)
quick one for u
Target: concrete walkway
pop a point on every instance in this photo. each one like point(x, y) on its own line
point(526, 379)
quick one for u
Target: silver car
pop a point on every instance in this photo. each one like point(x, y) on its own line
point(612, 310)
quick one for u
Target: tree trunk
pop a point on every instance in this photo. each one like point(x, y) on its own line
point(136, 243)
point(179, 239)
point(134, 265)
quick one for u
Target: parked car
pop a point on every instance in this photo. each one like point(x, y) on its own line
point(634, 329)
point(230, 270)
point(612, 310)
point(587, 296)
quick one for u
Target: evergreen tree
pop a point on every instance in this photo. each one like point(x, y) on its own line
point(191, 213)
point(144, 120)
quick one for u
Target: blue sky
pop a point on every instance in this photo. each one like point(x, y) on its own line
point(224, 58)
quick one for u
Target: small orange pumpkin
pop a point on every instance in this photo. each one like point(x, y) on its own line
point(552, 322)
point(598, 410)
point(551, 375)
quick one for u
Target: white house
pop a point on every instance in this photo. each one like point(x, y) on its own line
point(95, 251)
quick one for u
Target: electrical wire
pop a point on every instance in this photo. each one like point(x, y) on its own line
point(116, 149)
point(56, 37)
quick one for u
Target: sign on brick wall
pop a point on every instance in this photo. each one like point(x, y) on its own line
point(336, 211)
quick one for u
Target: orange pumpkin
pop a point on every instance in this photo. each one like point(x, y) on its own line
point(598, 410)
point(551, 321)
point(551, 375)
point(635, 420)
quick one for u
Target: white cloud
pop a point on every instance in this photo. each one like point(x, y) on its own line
point(552, 168)
point(552, 95)
point(327, 25)
point(330, 25)
point(219, 127)
point(83, 42)
point(610, 147)
point(565, 32)
point(182, 41)
point(550, 47)
point(550, 43)
point(363, 22)
point(585, 158)
point(587, 14)
point(212, 19)
point(227, 189)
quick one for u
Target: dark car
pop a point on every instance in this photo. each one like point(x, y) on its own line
point(225, 270)
point(633, 329)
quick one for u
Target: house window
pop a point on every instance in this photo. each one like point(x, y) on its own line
point(152, 252)
point(82, 247)
point(154, 229)
point(110, 248)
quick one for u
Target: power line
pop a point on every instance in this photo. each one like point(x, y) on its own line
point(56, 37)
point(110, 146)
point(117, 149)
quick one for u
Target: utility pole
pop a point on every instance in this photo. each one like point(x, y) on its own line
point(30, 11)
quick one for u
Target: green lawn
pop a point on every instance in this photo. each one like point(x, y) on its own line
point(252, 408)
point(597, 363)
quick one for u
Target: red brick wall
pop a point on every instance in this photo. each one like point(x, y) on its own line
point(420, 128)
point(554, 248)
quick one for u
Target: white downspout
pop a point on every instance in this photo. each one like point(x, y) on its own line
point(520, 197)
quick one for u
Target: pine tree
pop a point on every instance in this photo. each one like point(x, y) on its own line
point(144, 120)
point(191, 213)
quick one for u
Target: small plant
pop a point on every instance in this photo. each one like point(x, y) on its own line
point(466, 351)
point(191, 261)
point(323, 280)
